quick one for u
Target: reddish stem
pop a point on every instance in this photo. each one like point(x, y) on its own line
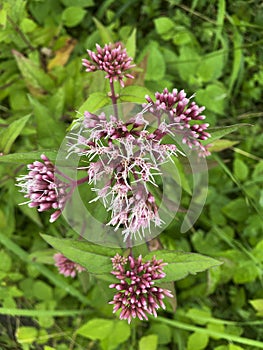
point(114, 98)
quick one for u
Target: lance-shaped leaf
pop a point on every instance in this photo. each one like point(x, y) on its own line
point(181, 264)
point(26, 158)
point(8, 135)
point(95, 258)
point(218, 132)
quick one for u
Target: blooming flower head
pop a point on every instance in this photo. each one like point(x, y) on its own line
point(137, 294)
point(184, 117)
point(42, 188)
point(127, 157)
point(112, 59)
point(67, 267)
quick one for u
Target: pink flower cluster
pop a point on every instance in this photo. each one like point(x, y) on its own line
point(127, 157)
point(112, 59)
point(137, 294)
point(183, 117)
point(42, 188)
point(67, 267)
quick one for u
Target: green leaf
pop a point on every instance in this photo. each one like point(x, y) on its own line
point(72, 16)
point(50, 132)
point(134, 93)
point(8, 135)
point(164, 27)
point(94, 102)
point(131, 44)
point(29, 157)
point(213, 97)
point(79, 3)
point(119, 334)
point(163, 332)
point(37, 81)
point(96, 329)
point(197, 341)
point(5, 262)
point(218, 132)
point(42, 291)
point(257, 305)
point(240, 169)
point(181, 264)
point(95, 258)
point(220, 145)
point(26, 335)
point(149, 342)
point(111, 333)
point(237, 210)
point(211, 66)
point(155, 69)
point(105, 33)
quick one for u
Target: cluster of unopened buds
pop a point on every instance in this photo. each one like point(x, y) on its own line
point(126, 156)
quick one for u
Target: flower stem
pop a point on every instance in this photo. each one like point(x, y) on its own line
point(114, 98)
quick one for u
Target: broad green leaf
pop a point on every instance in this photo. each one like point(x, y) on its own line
point(8, 135)
point(26, 335)
point(245, 272)
point(131, 44)
point(29, 157)
point(94, 102)
point(211, 66)
point(149, 342)
point(237, 210)
point(105, 33)
point(134, 94)
point(96, 329)
point(155, 69)
point(257, 305)
point(181, 264)
point(95, 258)
point(187, 63)
point(120, 333)
point(197, 341)
point(213, 97)
point(164, 27)
point(163, 332)
point(240, 169)
point(218, 132)
point(72, 16)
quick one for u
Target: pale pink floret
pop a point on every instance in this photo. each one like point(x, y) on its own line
point(67, 267)
point(136, 294)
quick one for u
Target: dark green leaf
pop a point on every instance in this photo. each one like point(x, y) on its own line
point(72, 16)
point(181, 264)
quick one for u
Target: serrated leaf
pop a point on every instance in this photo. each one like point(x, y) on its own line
point(9, 135)
point(95, 258)
point(218, 132)
point(26, 158)
point(181, 264)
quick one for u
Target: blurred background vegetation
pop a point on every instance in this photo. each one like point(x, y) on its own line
point(209, 48)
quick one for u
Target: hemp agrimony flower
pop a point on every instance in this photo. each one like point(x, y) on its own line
point(43, 189)
point(137, 294)
point(112, 59)
point(67, 267)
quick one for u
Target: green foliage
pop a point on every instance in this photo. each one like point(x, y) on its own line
point(211, 48)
